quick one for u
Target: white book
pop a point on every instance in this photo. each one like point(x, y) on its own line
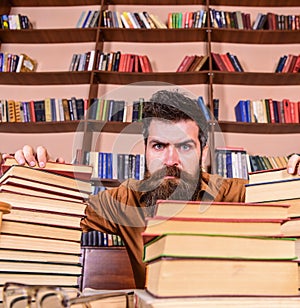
point(61, 109)
point(144, 20)
point(57, 112)
point(81, 64)
point(142, 165)
point(20, 62)
point(120, 24)
point(133, 20)
point(81, 19)
point(124, 21)
point(115, 166)
point(91, 60)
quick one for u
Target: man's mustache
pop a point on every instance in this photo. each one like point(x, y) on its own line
point(152, 181)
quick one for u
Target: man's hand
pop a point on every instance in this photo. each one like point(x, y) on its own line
point(28, 155)
point(293, 164)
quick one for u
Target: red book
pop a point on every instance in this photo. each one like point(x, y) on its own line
point(147, 63)
point(294, 112)
point(122, 62)
point(271, 109)
point(218, 62)
point(287, 111)
point(227, 62)
point(182, 64)
point(32, 112)
point(296, 67)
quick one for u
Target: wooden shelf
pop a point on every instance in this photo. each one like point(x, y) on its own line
point(256, 79)
point(40, 127)
point(44, 78)
point(258, 3)
point(70, 126)
point(255, 36)
point(48, 36)
point(259, 128)
point(104, 77)
point(30, 3)
point(114, 127)
point(153, 35)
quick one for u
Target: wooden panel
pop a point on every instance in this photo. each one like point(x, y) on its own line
point(106, 268)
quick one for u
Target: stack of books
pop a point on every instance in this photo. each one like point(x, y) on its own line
point(40, 237)
point(198, 249)
point(278, 186)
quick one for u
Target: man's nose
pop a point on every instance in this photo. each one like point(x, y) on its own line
point(172, 157)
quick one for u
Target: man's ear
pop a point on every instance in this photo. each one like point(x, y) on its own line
point(205, 152)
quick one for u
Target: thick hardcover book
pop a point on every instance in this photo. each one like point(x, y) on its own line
point(32, 246)
point(39, 230)
point(44, 217)
point(144, 299)
point(53, 205)
point(220, 247)
point(220, 210)
point(31, 267)
point(80, 172)
point(44, 187)
point(166, 277)
point(247, 227)
point(271, 175)
point(273, 190)
point(22, 250)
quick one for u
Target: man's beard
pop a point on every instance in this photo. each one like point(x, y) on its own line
point(182, 186)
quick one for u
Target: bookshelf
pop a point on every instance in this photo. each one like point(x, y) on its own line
point(60, 41)
point(57, 79)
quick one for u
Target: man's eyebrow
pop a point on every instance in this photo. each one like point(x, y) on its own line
point(177, 144)
point(186, 141)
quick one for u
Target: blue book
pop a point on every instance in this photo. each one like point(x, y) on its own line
point(204, 108)
point(84, 24)
point(137, 166)
point(241, 111)
point(100, 165)
point(109, 166)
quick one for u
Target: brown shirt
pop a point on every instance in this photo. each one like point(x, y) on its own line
point(119, 211)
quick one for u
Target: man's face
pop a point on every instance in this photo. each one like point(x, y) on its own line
point(173, 144)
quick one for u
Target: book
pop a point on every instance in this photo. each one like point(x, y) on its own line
point(17, 266)
point(31, 191)
point(48, 218)
point(40, 230)
point(273, 190)
point(44, 186)
point(291, 227)
point(60, 280)
point(256, 227)
point(26, 253)
point(144, 299)
point(177, 277)
point(219, 247)
point(80, 172)
point(43, 203)
point(220, 210)
point(28, 64)
point(271, 175)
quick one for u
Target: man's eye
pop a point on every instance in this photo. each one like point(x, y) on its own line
point(158, 146)
point(185, 147)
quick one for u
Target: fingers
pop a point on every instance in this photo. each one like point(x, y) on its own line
point(60, 160)
point(42, 156)
point(293, 164)
point(27, 155)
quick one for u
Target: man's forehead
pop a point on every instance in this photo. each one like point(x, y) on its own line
point(170, 131)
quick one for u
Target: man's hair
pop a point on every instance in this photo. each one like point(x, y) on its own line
point(174, 106)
